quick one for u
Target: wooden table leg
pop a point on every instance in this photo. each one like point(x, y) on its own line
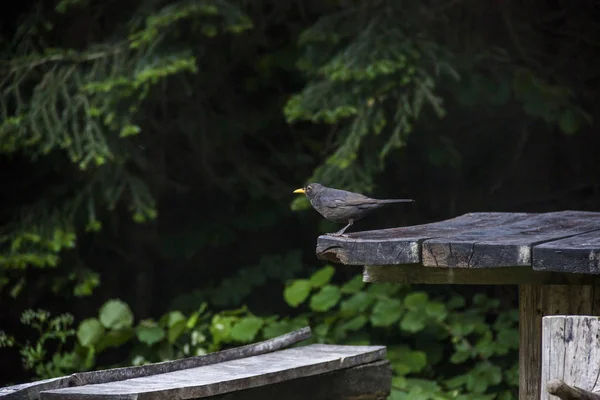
point(535, 302)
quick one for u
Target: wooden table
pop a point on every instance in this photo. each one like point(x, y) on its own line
point(553, 257)
point(264, 370)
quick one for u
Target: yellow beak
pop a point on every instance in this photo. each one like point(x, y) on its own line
point(299, 191)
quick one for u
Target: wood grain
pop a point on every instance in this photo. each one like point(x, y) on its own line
point(402, 245)
point(571, 354)
point(577, 254)
point(31, 390)
point(478, 240)
point(366, 382)
point(558, 388)
point(472, 276)
point(507, 244)
point(537, 301)
point(228, 376)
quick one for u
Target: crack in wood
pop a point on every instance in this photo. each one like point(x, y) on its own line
point(471, 255)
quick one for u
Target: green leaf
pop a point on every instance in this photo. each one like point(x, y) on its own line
point(386, 312)
point(174, 317)
point(89, 332)
point(129, 130)
point(176, 330)
point(355, 323)
point(356, 303)
point(568, 122)
point(388, 289)
point(326, 298)
point(509, 338)
point(115, 338)
point(416, 360)
point(456, 302)
point(246, 329)
point(436, 310)
point(277, 328)
point(149, 332)
point(116, 314)
point(220, 328)
point(297, 292)
point(456, 382)
point(416, 300)
point(354, 285)
point(405, 360)
point(459, 357)
point(193, 320)
point(322, 276)
point(321, 331)
point(413, 322)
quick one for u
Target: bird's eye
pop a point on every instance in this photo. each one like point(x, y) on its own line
point(308, 188)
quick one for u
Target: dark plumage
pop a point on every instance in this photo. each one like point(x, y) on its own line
point(342, 206)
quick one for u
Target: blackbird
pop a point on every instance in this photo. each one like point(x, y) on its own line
point(342, 206)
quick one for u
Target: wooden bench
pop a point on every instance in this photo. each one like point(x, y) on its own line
point(553, 257)
point(263, 370)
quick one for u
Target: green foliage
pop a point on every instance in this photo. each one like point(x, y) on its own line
point(449, 350)
point(371, 79)
point(115, 314)
point(379, 72)
point(457, 353)
point(90, 332)
point(235, 288)
point(85, 105)
point(51, 332)
point(297, 292)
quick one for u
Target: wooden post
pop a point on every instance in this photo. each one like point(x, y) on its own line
point(537, 301)
point(570, 357)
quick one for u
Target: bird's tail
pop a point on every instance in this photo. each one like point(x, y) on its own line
point(396, 201)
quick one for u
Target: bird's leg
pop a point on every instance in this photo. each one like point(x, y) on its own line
point(341, 231)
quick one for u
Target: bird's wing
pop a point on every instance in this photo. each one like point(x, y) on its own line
point(357, 202)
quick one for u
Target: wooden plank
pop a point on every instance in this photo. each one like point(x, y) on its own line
point(577, 254)
point(32, 390)
point(537, 301)
point(366, 382)
point(402, 245)
point(558, 388)
point(418, 274)
point(228, 376)
point(570, 356)
point(508, 243)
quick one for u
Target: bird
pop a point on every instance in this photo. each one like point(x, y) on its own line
point(341, 206)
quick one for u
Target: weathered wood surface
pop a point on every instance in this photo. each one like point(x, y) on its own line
point(476, 240)
point(570, 357)
point(472, 276)
point(579, 253)
point(366, 382)
point(558, 388)
point(536, 302)
point(28, 391)
point(228, 376)
point(401, 245)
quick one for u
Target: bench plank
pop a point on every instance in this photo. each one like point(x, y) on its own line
point(228, 376)
point(28, 391)
point(366, 382)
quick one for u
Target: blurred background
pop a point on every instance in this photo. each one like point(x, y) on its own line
point(149, 150)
